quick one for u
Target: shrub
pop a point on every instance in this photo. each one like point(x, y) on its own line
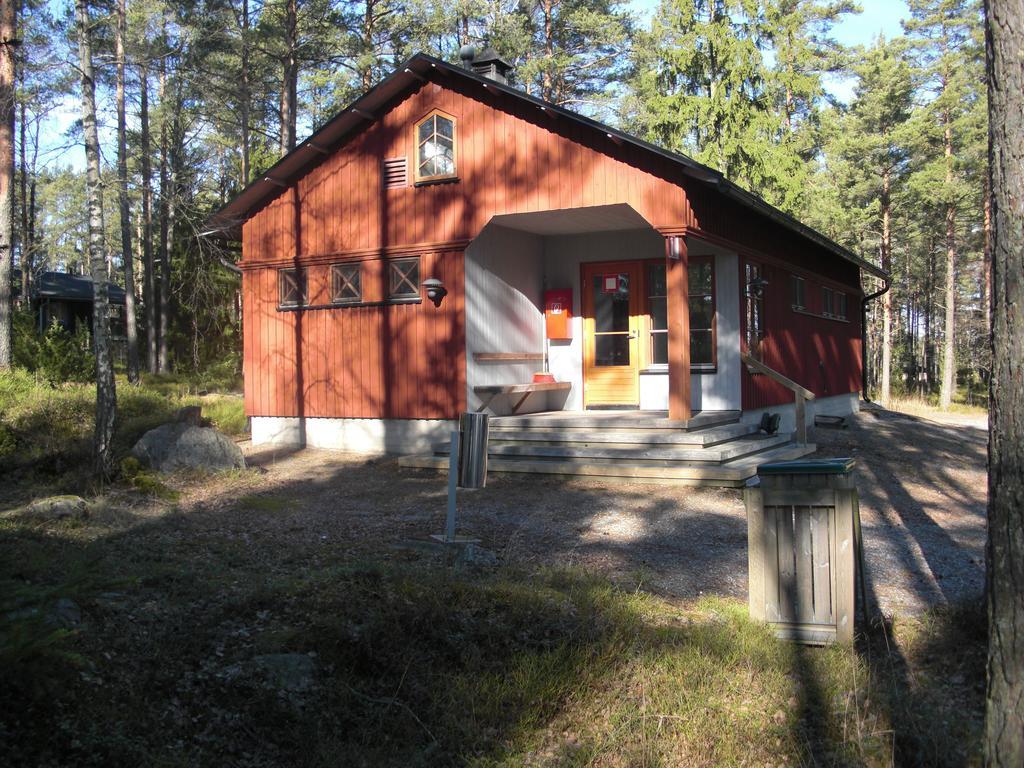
point(57, 356)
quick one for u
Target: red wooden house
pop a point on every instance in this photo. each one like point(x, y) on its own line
point(447, 236)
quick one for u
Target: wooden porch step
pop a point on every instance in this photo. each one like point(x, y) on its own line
point(621, 438)
point(718, 454)
point(730, 474)
point(611, 420)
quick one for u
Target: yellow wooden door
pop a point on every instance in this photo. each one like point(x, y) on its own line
point(611, 331)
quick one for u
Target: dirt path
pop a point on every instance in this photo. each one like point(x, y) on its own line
point(922, 487)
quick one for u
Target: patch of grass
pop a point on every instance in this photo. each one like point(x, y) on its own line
point(46, 431)
point(262, 503)
point(929, 407)
point(420, 665)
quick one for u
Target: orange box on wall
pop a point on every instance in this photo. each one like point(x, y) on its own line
point(558, 313)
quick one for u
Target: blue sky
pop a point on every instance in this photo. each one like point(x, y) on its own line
point(879, 17)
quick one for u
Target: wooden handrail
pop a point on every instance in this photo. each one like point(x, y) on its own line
point(800, 394)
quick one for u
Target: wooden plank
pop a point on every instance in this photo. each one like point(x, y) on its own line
point(787, 564)
point(796, 496)
point(822, 573)
point(771, 564)
point(845, 552)
point(804, 565)
point(486, 357)
point(752, 498)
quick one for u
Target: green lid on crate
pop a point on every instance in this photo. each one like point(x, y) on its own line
point(818, 467)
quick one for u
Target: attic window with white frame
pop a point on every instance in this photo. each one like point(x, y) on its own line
point(435, 147)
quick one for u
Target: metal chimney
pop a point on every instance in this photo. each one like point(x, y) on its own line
point(489, 64)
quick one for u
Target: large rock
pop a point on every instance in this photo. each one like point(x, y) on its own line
point(58, 508)
point(184, 446)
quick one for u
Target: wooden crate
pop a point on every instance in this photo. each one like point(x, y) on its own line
point(802, 543)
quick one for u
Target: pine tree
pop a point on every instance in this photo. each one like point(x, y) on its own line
point(945, 38)
point(874, 142)
point(699, 85)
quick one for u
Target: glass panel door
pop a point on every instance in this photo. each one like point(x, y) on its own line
point(612, 308)
point(612, 334)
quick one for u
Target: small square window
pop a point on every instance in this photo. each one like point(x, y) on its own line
point(291, 286)
point(404, 279)
point(346, 286)
point(799, 293)
point(827, 300)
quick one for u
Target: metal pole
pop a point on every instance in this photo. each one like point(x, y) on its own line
point(453, 479)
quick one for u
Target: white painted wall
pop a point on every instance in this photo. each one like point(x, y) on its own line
point(837, 405)
point(504, 309)
point(357, 435)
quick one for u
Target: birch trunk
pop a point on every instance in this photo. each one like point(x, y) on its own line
point(106, 394)
point(1004, 710)
point(7, 44)
point(149, 285)
point(127, 256)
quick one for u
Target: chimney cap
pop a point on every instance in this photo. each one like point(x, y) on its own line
point(490, 56)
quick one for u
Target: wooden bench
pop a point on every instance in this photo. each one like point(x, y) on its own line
point(488, 392)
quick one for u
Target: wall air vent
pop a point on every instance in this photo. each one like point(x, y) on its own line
point(395, 173)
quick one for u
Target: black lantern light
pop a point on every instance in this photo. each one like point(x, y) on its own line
point(756, 287)
point(435, 290)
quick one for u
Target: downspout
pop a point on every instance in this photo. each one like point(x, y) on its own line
point(864, 335)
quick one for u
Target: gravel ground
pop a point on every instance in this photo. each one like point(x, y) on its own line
point(922, 485)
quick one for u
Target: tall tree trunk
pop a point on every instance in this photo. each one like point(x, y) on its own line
point(547, 82)
point(127, 256)
point(161, 283)
point(246, 94)
point(886, 247)
point(24, 239)
point(929, 312)
point(986, 254)
point(949, 340)
point(289, 77)
point(8, 31)
point(1004, 705)
point(149, 284)
point(106, 394)
point(174, 175)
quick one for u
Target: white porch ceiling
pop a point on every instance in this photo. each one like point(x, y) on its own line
point(574, 221)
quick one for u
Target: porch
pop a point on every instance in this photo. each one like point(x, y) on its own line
point(639, 330)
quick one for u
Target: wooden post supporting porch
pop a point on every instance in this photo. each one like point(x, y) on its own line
point(677, 281)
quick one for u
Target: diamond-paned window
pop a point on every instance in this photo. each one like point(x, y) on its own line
point(404, 278)
point(346, 287)
point(291, 287)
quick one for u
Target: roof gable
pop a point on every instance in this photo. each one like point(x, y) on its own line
point(420, 69)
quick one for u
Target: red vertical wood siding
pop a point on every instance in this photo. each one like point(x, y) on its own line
point(820, 353)
point(408, 361)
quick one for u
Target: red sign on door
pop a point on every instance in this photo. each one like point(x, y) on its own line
point(609, 283)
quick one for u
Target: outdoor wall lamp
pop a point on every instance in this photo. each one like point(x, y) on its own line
point(756, 287)
point(435, 290)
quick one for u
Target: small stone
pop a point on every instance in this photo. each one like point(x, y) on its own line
point(65, 613)
point(59, 508)
point(290, 672)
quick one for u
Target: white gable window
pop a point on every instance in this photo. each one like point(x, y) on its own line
point(435, 147)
